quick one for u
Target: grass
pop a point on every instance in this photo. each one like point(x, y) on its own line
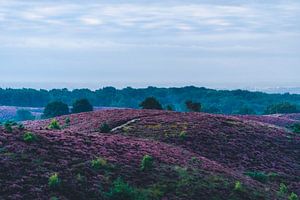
point(54, 124)
point(54, 181)
point(147, 163)
point(29, 137)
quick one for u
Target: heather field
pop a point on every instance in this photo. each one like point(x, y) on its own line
point(148, 154)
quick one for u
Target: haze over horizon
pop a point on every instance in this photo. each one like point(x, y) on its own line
point(217, 44)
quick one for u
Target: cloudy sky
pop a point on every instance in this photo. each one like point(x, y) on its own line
point(89, 43)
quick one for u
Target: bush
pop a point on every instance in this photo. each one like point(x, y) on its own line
point(54, 125)
point(8, 127)
point(151, 103)
point(54, 181)
point(21, 127)
point(55, 109)
point(293, 196)
point(123, 191)
point(104, 128)
point(283, 189)
point(182, 135)
point(238, 186)
point(193, 106)
point(67, 121)
point(147, 163)
point(99, 163)
point(82, 105)
point(259, 176)
point(29, 137)
point(23, 115)
point(296, 128)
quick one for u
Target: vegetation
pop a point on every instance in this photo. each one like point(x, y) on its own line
point(283, 189)
point(293, 196)
point(213, 101)
point(23, 115)
point(54, 124)
point(296, 128)
point(123, 191)
point(147, 163)
point(82, 105)
point(259, 176)
point(55, 109)
point(151, 103)
point(29, 137)
point(105, 128)
point(193, 106)
point(281, 108)
point(238, 186)
point(98, 163)
point(54, 180)
point(8, 126)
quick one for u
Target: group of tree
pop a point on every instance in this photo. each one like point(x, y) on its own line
point(58, 108)
point(212, 101)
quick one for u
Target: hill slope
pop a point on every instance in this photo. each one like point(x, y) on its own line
point(196, 156)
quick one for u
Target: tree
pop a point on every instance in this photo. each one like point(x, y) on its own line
point(193, 106)
point(23, 115)
point(82, 105)
point(56, 108)
point(151, 103)
point(282, 108)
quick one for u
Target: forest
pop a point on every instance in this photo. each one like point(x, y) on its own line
point(212, 101)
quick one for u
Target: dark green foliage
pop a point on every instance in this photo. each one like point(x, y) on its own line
point(105, 128)
point(67, 121)
point(54, 125)
point(123, 191)
point(259, 176)
point(169, 107)
point(147, 163)
point(82, 105)
point(55, 109)
point(245, 110)
point(8, 126)
point(21, 127)
point(29, 137)
point(183, 135)
point(283, 189)
point(238, 187)
point(151, 103)
point(193, 106)
point(282, 108)
point(23, 115)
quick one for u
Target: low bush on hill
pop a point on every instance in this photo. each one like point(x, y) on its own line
point(99, 163)
point(54, 124)
point(104, 128)
point(54, 181)
point(29, 137)
point(147, 163)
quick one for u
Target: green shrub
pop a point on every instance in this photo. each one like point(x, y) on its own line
point(82, 105)
point(53, 198)
point(151, 103)
point(259, 176)
point(54, 109)
point(296, 128)
point(29, 137)
point(293, 196)
point(54, 125)
point(21, 127)
point(8, 127)
point(182, 135)
point(123, 191)
point(147, 163)
point(238, 186)
point(104, 128)
point(67, 121)
point(99, 163)
point(283, 189)
point(54, 180)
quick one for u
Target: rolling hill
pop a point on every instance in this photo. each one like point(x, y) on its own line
point(193, 156)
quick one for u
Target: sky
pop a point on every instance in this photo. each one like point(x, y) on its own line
point(212, 43)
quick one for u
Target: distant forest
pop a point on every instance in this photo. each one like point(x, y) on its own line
point(212, 101)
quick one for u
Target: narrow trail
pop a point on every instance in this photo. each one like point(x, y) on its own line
point(125, 124)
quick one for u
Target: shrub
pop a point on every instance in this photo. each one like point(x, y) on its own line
point(238, 186)
point(54, 125)
point(21, 127)
point(54, 180)
point(55, 109)
point(259, 176)
point(53, 198)
point(82, 105)
point(151, 103)
point(67, 121)
point(29, 137)
point(193, 106)
point(283, 189)
point(99, 163)
point(296, 128)
point(182, 135)
point(122, 191)
point(8, 127)
point(293, 196)
point(147, 163)
point(104, 128)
